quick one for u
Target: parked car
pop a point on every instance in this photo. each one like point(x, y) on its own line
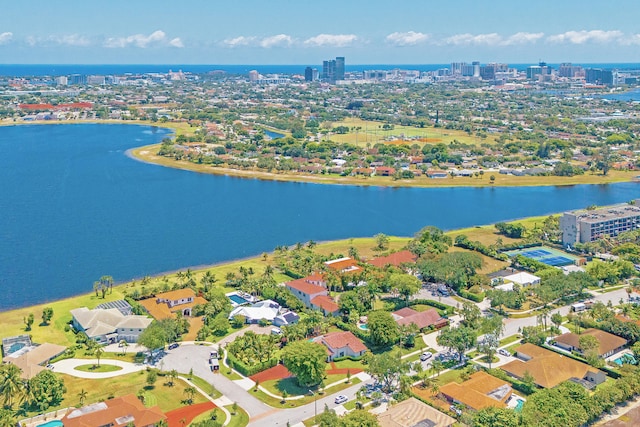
point(425, 356)
point(503, 352)
point(174, 345)
point(341, 399)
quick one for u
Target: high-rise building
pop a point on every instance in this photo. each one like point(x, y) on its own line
point(476, 68)
point(588, 225)
point(333, 69)
point(310, 74)
point(254, 75)
point(340, 68)
point(77, 79)
point(569, 70)
point(62, 80)
point(598, 76)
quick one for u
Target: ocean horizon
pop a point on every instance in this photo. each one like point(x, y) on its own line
point(39, 70)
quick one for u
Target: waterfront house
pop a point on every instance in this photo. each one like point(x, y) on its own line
point(262, 310)
point(167, 304)
point(33, 359)
point(109, 325)
point(396, 259)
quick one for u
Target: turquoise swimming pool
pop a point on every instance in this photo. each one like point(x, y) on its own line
point(363, 326)
point(519, 405)
point(54, 423)
point(625, 358)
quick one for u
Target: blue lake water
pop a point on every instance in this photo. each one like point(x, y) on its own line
point(632, 95)
point(74, 207)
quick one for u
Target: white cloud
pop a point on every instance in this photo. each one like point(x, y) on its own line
point(633, 39)
point(157, 38)
point(276, 41)
point(71, 40)
point(410, 38)
point(176, 42)
point(522, 38)
point(581, 37)
point(490, 39)
point(239, 41)
point(6, 37)
point(334, 40)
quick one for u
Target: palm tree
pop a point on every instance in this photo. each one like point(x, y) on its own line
point(189, 392)
point(124, 344)
point(172, 374)
point(82, 395)
point(437, 367)
point(98, 352)
point(7, 418)
point(12, 387)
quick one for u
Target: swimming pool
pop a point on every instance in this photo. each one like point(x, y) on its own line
point(519, 405)
point(363, 326)
point(54, 423)
point(15, 347)
point(237, 299)
point(625, 358)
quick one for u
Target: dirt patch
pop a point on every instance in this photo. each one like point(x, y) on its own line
point(278, 372)
point(430, 140)
point(630, 419)
point(195, 324)
point(188, 413)
point(343, 371)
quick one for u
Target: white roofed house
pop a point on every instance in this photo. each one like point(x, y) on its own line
point(522, 278)
point(109, 325)
point(267, 310)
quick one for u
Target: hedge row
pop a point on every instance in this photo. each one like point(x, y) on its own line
point(354, 329)
point(352, 358)
point(473, 297)
point(247, 371)
point(441, 306)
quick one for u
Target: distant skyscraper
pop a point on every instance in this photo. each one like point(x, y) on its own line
point(598, 76)
point(340, 68)
point(476, 68)
point(254, 75)
point(333, 69)
point(310, 74)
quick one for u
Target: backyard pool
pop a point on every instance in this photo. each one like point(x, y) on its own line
point(237, 299)
point(15, 347)
point(625, 359)
point(363, 326)
point(519, 405)
point(54, 423)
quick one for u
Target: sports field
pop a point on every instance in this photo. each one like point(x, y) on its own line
point(546, 255)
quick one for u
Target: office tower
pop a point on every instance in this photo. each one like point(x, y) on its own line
point(254, 76)
point(310, 74)
point(340, 68)
point(333, 69)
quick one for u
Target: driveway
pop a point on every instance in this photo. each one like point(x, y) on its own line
point(67, 366)
point(196, 357)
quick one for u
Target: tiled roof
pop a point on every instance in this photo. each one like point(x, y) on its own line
point(413, 413)
point(547, 367)
point(477, 392)
point(395, 259)
point(607, 342)
point(305, 287)
point(31, 361)
point(343, 264)
point(407, 316)
point(337, 340)
point(326, 303)
point(115, 412)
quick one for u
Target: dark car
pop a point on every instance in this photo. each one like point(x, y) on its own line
point(174, 345)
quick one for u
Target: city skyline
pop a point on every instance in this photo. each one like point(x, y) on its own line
point(252, 32)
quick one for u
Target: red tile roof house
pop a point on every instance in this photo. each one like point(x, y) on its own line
point(312, 294)
point(385, 171)
point(395, 259)
point(342, 344)
point(422, 319)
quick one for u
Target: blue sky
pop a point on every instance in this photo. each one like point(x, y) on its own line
point(305, 32)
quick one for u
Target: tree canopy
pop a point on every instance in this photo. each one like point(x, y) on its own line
point(305, 360)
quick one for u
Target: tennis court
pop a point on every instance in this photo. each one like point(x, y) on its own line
point(546, 255)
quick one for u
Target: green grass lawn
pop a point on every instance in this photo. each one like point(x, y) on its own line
point(167, 398)
point(98, 368)
point(240, 419)
point(206, 387)
point(277, 402)
point(229, 373)
point(290, 385)
point(348, 363)
point(509, 340)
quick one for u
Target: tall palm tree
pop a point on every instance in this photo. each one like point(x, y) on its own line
point(124, 344)
point(12, 387)
point(190, 392)
point(7, 418)
point(82, 395)
point(98, 352)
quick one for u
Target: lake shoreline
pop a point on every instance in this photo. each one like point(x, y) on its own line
point(145, 154)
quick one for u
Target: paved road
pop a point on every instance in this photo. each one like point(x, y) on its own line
point(67, 366)
point(297, 415)
point(512, 326)
point(196, 357)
